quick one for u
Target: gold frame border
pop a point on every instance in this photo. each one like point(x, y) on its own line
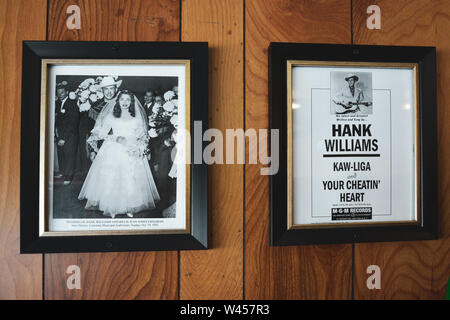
point(416, 150)
point(43, 183)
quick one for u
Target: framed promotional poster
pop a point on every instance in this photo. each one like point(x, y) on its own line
point(358, 143)
point(105, 149)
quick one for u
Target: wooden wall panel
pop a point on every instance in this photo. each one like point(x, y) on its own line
point(217, 273)
point(302, 272)
point(121, 20)
point(238, 259)
point(127, 275)
point(412, 270)
point(20, 275)
point(115, 275)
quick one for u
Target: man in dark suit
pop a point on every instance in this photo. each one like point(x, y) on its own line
point(66, 123)
point(149, 102)
point(161, 161)
point(86, 124)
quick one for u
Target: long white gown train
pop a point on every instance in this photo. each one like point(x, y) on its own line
point(119, 180)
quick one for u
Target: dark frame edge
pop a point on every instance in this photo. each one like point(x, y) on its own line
point(428, 139)
point(428, 229)
point(30, 243)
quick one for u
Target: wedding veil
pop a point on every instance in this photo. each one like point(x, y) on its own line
point(102, 125)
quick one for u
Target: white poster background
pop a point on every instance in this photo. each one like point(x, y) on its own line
point(392, 89)
point(147, 70)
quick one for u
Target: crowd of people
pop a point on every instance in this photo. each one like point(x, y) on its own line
point(122, 150)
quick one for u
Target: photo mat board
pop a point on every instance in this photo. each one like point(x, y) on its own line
point(355, 155)
point(66, 213)
point(106, 162)
point(358, 143)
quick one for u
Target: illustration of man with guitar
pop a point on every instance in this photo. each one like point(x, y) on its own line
point(350, 98)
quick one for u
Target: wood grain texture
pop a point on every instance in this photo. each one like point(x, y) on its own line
point(302, 272)
point(124, 20)
point(218, 273)
point(412, 270)
point(138, 275)
point(127, 275)
point(21, 275)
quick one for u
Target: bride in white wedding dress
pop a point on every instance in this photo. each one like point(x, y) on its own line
point(119, 180)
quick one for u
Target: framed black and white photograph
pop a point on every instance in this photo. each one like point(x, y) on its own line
point(112, 148)
point(350, 92)
point(358, 143)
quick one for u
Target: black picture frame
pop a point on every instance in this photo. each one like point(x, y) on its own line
point(34, 52)
point(425, 58)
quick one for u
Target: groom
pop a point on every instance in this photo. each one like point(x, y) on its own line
point(110, 88)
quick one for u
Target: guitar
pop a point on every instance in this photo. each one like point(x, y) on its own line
point(350, 107)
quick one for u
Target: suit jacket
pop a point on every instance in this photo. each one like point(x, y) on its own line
point(149, 109)
point(87, 122)
point(67, 119)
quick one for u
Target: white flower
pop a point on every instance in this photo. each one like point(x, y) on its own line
point(84, 95)
point(169, 95)
point(93, 97)
point(100, 95)
point(98, 79)
point(169, 106)
point(174, 120)
point(86, 83)
point(83, 85)
point(93, 88)
point(63, 110)
point(152, 123)
point(156, 108)
point(72, 95)
point(175, 102)
point(152, 133)
point(85, 106)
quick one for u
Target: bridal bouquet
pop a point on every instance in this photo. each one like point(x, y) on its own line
point(135, 147)
point(137, 151)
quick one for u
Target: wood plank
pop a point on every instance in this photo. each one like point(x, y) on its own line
point(302, 272)
point(420, 269)
point(121, 20)
point(217, 273)
point(21, 275)
point(126, 275)
point(115, 275)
